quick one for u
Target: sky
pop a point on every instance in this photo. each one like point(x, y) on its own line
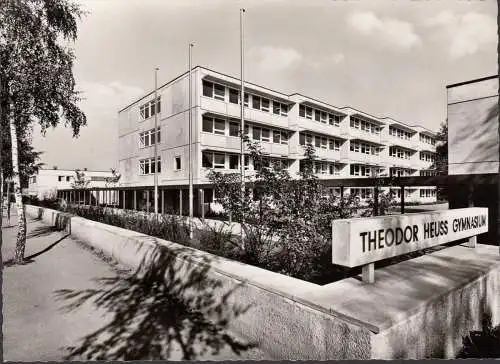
point(384, 57)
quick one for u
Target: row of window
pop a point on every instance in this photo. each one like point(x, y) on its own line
point(319, 115)
point(402, 134)
point(365, 171)
point(428, 172)
point(147, 166)
point(218, 92)
point(427, 139)
point(319, 141)
point(399, 153)
point(366, 148)
point(426, 192)
point(363, 192)
point(364, 125)
point(427, 157)
point(149, 137)
point(61, 178)
point(223, 127)
point(400, 172)
point(150, 108)
point(231, 161)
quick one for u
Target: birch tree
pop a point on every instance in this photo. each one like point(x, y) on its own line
point(36, 77)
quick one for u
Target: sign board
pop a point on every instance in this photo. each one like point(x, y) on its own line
point(361, 241)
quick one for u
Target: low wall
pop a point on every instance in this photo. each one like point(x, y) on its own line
point(416, 309)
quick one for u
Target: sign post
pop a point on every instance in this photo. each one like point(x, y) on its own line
point(364, 241)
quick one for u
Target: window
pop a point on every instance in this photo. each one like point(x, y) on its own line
point(59, 178)
point(208, 89)
point(177, 163)
point(150, 108)
point(213, 160)
point(147, 166)
point(219, 92)
point(284, 137)
point(255, 133)
point(281, 109)
point(334, 144)
point(234, 96)
point(266, 135)
point(67, 178)
point(265, 105)
point(302, 139)
point(276, 136)
point(208, 124)
point(302, 111)
point(245, 101)
point(219, 126)
point(256, 102)
point(234, 161)
point(334, 120)
point(147, 138)
point(33, 179)
point(234, 129)
point(317, 115)
point(214, 90)
point(207, 159)
point(317, 141)
point(355, 170)
point(323, 117)
point(213, 125)
point(309, 111)
point(324, 143)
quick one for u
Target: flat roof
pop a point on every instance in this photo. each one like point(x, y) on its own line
point(472, 81)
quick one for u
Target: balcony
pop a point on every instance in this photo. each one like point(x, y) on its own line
point(274, 149)
point(362, 158)
point(408, 144)
point(353, 133)
point(426, 147)
point(401, 162)
point(252, 115)
point(318, 127)
point(220, 141)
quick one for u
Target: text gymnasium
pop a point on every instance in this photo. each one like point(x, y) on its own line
point(379, 239)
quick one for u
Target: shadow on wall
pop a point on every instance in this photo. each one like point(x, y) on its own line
point(159, 311)
point(484, 195)
point(441, 329)
point(482, 344)
point(485, 131)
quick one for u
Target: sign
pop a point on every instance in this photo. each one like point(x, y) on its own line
point(360, 241)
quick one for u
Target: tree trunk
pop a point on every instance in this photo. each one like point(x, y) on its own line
point(21, 218)
point(8, 200)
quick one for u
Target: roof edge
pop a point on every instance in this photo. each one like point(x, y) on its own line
point(472, 81)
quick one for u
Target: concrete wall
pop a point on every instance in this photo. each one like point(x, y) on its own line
point(473, 127)
point(416, 309)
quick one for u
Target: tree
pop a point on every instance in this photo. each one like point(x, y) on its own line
point(113, 180)
point(36, 77)
point(80, 181)
point(441, 161)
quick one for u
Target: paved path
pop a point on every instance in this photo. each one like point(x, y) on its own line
point(35, 327)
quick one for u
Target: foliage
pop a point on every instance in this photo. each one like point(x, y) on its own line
point(441, 160)
point(166, 227)
point(482, 344)
point(113, 180)
point(80, 181)
point(287, 221)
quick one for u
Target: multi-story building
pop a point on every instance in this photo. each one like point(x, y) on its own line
point(46, 182)
point(348, 143)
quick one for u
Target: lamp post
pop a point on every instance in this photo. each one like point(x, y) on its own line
point(242, 114)
point(190, 165)
point(155, 103)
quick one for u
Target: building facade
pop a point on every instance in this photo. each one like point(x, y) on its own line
point(46, 182)
point(348, 143)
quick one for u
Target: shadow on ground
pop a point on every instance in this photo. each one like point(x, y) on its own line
point(160, 308)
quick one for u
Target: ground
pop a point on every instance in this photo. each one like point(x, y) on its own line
point(37, 328)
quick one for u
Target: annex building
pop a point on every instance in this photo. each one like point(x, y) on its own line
point(349, 143)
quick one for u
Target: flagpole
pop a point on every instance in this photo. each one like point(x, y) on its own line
point(190, 167)
point(242, 111)
point(155, 102)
